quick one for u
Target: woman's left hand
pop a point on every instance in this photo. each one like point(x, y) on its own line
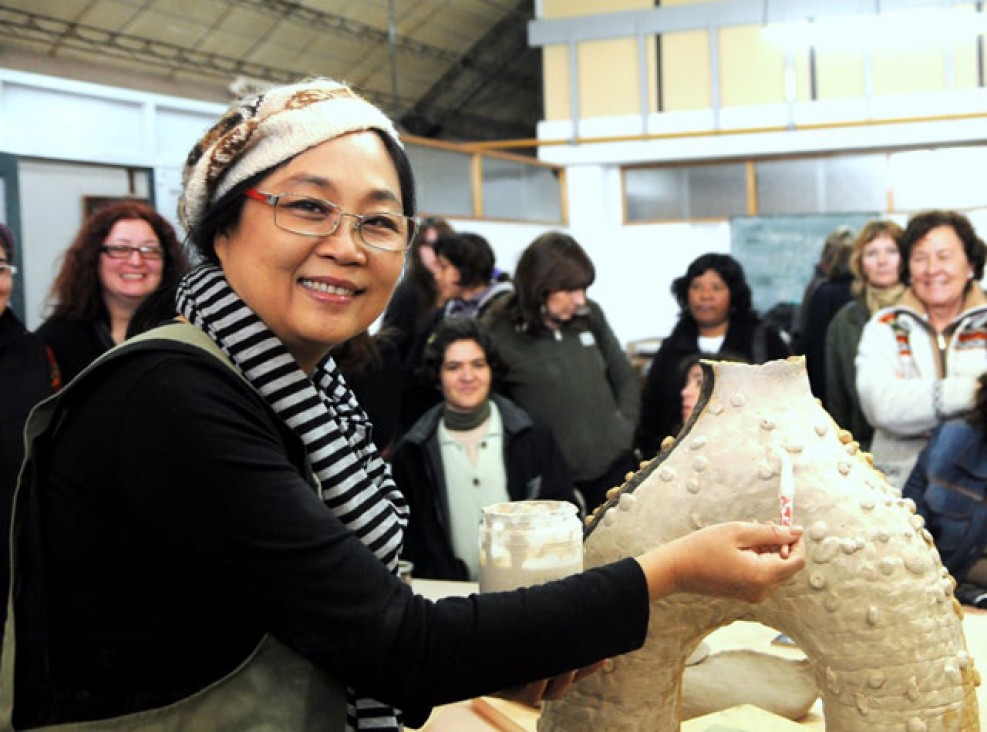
point(534, 693)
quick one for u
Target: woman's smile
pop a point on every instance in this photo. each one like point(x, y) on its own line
point(337, 290)
point(315, 292)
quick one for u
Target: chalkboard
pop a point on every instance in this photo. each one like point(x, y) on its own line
point(778, 253)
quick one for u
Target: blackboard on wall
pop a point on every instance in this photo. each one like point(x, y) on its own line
point(779, 253)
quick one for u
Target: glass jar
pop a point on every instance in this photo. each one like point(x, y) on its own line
point(526, 543)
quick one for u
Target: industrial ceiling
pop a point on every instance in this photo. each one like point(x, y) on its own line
point(447, 69)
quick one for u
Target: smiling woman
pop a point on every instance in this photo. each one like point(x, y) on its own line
point(472, 450)
point(236, 565)
point(918, 360)
point(313, 289)
point(124, 252)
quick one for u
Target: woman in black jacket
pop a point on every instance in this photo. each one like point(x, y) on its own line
point(236, 567)
point(498, 453)
point(716, 316)
point(28, 374)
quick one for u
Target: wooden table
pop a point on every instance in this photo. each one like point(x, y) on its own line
point(488, 714)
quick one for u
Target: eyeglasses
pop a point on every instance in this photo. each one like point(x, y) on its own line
point(7, 270)
point(317, 217)
point(123, 251)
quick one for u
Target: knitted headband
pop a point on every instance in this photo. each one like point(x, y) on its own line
point(263, 130)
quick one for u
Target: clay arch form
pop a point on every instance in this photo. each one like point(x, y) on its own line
point(873, 610)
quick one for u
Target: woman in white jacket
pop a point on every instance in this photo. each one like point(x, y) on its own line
point(919, 360)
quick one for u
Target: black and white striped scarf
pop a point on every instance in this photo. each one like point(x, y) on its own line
point(355, 482)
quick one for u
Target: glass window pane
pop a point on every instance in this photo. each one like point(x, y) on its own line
point(515, 190)
point(717, 191)
point(856, 183)
point(443, 180)
point(654, 193)
point(686, 192)
point(788, 186)
point(822, 185)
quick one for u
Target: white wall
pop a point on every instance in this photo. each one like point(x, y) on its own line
point(75, 139)
point(635, 265)
point(84, 124)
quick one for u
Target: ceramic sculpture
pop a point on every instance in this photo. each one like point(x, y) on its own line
point(873, 610)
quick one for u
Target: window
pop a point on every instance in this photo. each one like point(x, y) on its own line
point(685, 192)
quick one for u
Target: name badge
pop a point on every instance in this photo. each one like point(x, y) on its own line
point(586, 338)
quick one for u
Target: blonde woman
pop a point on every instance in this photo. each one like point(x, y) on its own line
point(877, 265)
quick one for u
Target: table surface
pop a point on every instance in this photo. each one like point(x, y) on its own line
point(497, 715)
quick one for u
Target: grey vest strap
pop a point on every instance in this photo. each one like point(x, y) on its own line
point(273, 689)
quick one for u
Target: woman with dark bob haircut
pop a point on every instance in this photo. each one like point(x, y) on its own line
point(565, 364)
point(715, 315)
point(918, 360)
point(123, 254)
point(236, 565)
point(554, 262)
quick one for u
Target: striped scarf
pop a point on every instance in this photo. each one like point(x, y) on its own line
point(355, 483)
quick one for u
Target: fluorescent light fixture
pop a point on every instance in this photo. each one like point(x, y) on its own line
point(914, 28)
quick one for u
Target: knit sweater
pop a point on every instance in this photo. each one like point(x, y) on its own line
point(576, 379)
point(910, 378)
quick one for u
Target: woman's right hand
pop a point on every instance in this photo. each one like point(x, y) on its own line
point(737, 560)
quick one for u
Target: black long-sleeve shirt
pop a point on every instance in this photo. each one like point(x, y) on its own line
point(179, 526)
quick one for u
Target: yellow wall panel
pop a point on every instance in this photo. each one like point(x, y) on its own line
point(571, 8)
point(555, 91)
point(909, 71)
point(685, 71)
point(965, 65)
point(803, 84)
point(839, 75)
point(608, 78)
point(752, 70)
point(608, 70)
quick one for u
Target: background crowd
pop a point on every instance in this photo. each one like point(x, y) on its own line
point(893, 327)
point(205, 532)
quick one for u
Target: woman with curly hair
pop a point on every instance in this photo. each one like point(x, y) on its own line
point(473, 449)
point(124, 252)
point(715, 316)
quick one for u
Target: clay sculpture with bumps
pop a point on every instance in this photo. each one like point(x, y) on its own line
point(873, 610)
